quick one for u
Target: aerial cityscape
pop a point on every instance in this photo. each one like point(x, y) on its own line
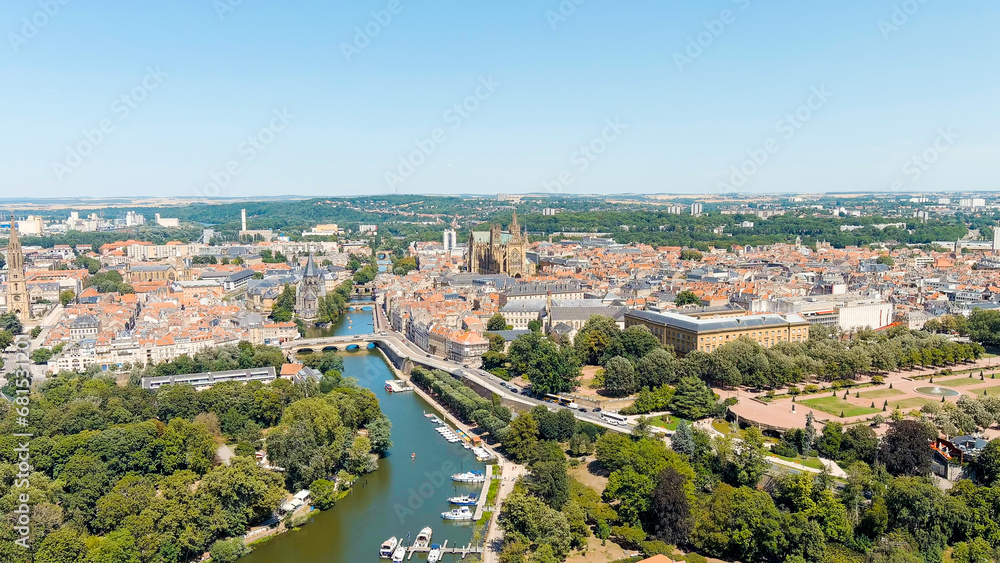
point(516, 283)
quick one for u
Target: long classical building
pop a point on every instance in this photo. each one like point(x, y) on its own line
point(686, 333)
point(500, 252)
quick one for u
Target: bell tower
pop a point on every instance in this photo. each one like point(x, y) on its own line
point(17, 290)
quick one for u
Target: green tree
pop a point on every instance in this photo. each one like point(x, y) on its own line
point(597, 334)
point(693, 399)
point(521, 437)
point(550, 482)
point(41, 355)
point(324, 493)
point(687, 297)
point(659, 367)
point(905, 449)
point(10, 323)
point(691, 255)
point(988, 463)
point(6, 339)
point(682, 441)
point(66, 297)
point(379, 433)
point(228, 551)
point(549, 367)
point(619, 376)
point(64, 545)
point(404, 265)
point(497, 322)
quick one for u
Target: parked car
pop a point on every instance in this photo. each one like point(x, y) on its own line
point(597, 409)
point(583, 409)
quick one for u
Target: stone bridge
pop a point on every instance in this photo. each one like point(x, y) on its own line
point(332, 343)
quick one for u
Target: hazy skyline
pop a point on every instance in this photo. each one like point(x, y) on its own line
point(238, 98)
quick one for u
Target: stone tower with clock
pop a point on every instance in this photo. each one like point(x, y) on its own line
point(17, 290)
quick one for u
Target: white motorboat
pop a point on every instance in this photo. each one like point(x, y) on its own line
point(464, 500)
point(469, 477)
point(388, 546)
point(435, 554)
point(462, 513)
point(399, 555)
point(423, 538)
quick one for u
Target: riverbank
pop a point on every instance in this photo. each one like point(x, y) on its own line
point(403, 496)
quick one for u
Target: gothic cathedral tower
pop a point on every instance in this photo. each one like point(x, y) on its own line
point(17, 289)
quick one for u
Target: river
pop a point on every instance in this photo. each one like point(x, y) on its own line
point(402, 497)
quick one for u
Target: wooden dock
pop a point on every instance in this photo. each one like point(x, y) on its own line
point(460, 551)
point(481, 503)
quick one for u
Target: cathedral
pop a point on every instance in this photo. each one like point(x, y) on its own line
point(500, 252)
point(18, 301)
point(309, 291)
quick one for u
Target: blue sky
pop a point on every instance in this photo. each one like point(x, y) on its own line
point(556, 81)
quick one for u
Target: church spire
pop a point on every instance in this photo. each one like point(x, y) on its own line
point(514, 228)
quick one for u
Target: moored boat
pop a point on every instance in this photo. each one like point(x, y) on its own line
point(464, 500)
point(462, 513)
point(388, 546)
point(423, 538)
point(399, 555)
point(469, 477)
point(435, 554)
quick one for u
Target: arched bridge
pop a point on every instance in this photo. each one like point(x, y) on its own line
point(333, 343)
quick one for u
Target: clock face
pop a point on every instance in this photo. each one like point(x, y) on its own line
point(17, 298)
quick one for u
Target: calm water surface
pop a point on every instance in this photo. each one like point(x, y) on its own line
point(402, 497)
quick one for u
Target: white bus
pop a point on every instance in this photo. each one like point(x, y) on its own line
point(614, 418)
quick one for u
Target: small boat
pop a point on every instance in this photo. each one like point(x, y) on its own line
point(458, 514)
point(423, 538)
point(469, 477)
point(465, 500)
point(399, 555)
point(388, 546)
point(435, 554)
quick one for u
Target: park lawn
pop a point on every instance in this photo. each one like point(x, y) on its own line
point(724, 427)
point(959, 382)
point(671, 425)
point(836, 405)
point(912, 403)
point(881, 393)
point(991, 390)
point(806, 461)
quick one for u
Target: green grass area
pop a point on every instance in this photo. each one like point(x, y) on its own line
point(812, 462)
point(991, 390)
point(911, 403)
point(881, 393)
point(960, 381)
point(671, 424)
point(491, 495)
point(836, 405)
